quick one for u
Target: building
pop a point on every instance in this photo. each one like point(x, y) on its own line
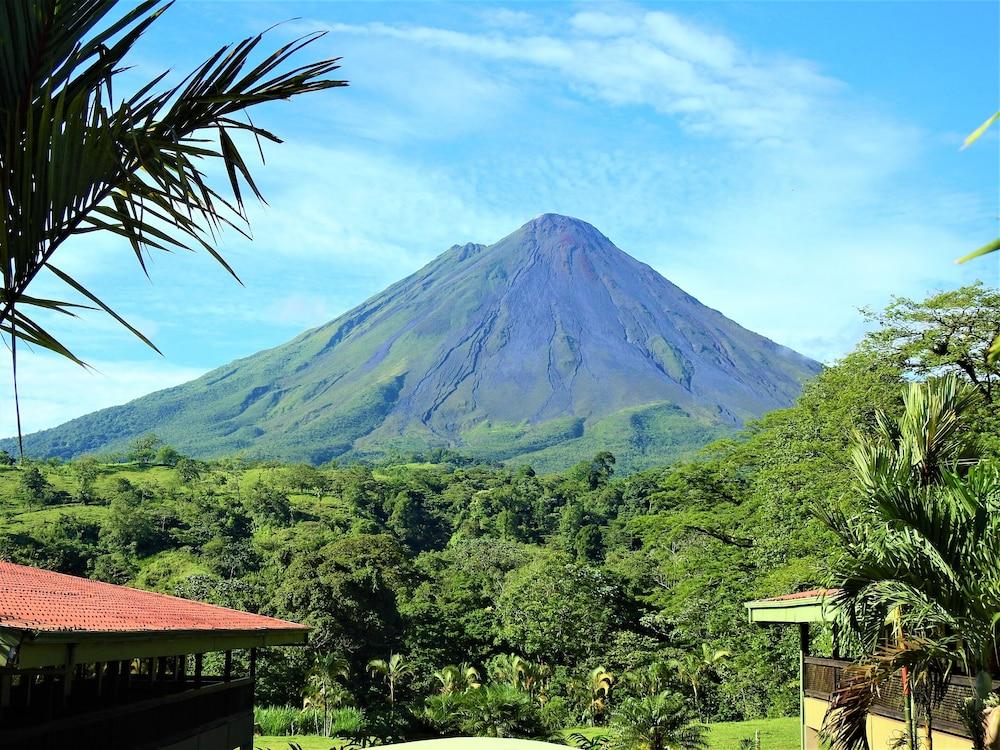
point(819, 678)
point(89, 665)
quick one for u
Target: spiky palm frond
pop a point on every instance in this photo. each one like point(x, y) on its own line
point(656, 722)
point(919, 579)
point(77, 157)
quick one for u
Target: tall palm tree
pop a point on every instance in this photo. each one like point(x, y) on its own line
point(78, 156)
point(656, 722)
point(323, 683)
point(919, 577)
point(392, 672)
point(696, 667)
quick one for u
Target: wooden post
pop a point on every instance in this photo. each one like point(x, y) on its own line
point(99, 676)
point(253, 663)
point(227, 674)
point(152, 668)
point(183, 666)
point(197, 669)
point(803, 653)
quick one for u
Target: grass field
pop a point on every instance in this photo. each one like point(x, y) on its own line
point(775, 734)
point(311, 742)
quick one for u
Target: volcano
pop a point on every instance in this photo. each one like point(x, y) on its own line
point(543, 348)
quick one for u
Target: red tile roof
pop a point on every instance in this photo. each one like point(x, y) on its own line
point(40, 600)
point(811, 593)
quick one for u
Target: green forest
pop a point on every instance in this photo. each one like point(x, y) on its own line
point(564, 599)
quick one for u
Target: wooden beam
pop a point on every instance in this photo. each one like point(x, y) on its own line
point(253, 662)
point(227, 673)
point(197, 669)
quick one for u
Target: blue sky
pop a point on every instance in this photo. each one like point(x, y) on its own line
point(786, 163)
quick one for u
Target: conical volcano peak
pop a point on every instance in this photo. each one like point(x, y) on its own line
point(555, 236)
point(550, 226)
point(545, 347)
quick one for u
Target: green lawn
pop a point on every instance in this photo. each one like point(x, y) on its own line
point(307, 742)
point(775, 734)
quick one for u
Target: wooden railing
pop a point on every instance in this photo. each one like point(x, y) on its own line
point(821, 678)
point(145, 723)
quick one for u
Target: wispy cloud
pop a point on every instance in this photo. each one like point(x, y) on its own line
point(701, 77)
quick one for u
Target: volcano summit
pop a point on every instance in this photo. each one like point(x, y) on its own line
point(543, 348)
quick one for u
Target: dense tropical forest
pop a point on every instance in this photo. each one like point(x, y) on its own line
point(565, 598)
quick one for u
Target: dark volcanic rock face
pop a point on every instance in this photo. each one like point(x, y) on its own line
point(536, 337)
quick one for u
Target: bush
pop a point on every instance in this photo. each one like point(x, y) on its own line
point(347, 722)
point(557, 714)
point(276, 720)
point(310, 721)
point(493, 711)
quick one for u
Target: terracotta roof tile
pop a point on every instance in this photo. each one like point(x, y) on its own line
point(811, 593)
point(34, 599)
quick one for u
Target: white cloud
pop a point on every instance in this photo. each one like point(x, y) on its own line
point(53, 390)
point(655, 59)
point(507, 18)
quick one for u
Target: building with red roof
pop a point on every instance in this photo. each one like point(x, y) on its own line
point(87, 664)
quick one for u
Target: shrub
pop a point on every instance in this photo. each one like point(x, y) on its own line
point(276, 720)
point(556, 713)
point(347, 722)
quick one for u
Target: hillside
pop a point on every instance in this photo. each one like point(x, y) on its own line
point(544, 347)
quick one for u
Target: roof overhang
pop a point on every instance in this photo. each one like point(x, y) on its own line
point(801, 610)
point(29, 649)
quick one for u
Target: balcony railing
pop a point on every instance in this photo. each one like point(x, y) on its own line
point(180, 711)
point(821, 678)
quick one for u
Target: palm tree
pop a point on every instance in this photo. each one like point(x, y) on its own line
point(656, 722)
point(696, 667)
point(76, 156)
point(458, 678)
point(392, 672)
point(919, 577)
point(323, 683)
point(601, 681)
point(652, 679)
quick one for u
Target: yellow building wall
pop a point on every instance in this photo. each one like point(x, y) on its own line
point(883, 732)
